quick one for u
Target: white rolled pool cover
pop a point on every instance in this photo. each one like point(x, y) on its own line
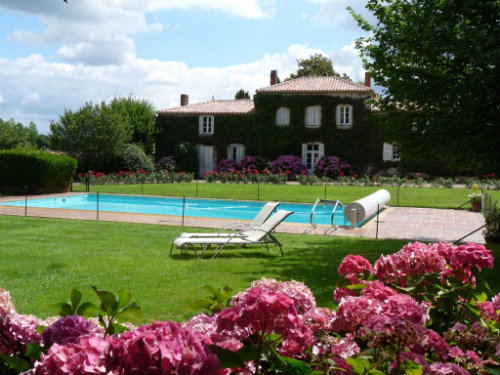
point(363, 208)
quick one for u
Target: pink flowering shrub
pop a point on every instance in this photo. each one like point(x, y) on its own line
point(67, 330)
point(423, 310)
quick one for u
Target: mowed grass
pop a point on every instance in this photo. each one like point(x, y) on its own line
point(42, 259)
point(404, 196)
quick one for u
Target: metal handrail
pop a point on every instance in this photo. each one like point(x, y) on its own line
point(335, 203)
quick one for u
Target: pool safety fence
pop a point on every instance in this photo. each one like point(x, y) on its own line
point(407, 223)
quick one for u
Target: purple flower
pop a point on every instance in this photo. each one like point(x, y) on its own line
point(253, 163)
point(332, 167)
point(288, 163)
point(67, 330)
point(226, 165)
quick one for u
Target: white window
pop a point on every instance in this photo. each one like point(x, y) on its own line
point(344, 116)
point(391, 152)
point(206, 124)
point(313, 116)
point(311, 153)
point(283, 116)
point(235, 152)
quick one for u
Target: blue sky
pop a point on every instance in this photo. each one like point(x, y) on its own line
point(56, 56)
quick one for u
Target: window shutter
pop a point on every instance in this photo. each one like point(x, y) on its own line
point(387, 153)
point(201, 125)
point(337, 116)
point(321, 150)
point(304, 153)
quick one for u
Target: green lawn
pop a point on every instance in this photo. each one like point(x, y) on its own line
point(408, 196)
point(42, 259)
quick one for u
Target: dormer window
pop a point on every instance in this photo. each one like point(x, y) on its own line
point(206, 125)
point(313, 116)
point(283, 116)
point(344, 116)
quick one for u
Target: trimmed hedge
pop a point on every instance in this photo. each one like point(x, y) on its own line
point(39, 171)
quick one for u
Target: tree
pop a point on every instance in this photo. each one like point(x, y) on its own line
point(316, 66)
point(242, 94)
point(140, 116)
point(438, 62)
point(95, 135)
point(14, 134)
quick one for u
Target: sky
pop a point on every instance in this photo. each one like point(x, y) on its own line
point(57, 56)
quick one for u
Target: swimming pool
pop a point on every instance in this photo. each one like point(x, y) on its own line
point(178, 206)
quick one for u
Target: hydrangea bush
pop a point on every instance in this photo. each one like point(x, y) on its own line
point(289, 164)
point(332, 167)
point(421, 311)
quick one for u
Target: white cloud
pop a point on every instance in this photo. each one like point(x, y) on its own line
point(335, 12)
point(40, 90)
point(1, 98)
point(84, 27)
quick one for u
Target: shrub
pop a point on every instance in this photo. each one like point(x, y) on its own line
point(186, 157)
point(289, 164)
point(166, 164)
point(253, 163)
point(226, 165)
point(133, 158)
point(38, 171)
point(332, 167)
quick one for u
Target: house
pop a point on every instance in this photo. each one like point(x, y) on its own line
point(310, 117)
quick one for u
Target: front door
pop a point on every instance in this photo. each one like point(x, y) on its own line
point(311, 153)
point(206, 159)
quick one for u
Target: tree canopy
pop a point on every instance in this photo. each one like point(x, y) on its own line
point(315, 66)
point(438, 62)
point(242, 94)
point(14, 134)
point(95, 135)
point(140, 115)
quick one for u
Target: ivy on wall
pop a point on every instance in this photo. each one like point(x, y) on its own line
point(360, 145)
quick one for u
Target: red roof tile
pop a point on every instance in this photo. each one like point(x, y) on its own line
point(316, 85)
point(214, 107)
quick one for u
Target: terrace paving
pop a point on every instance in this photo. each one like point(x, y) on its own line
point(422, 224)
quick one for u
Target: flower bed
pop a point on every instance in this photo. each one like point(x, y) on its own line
point(423, 310)
point(137, 177)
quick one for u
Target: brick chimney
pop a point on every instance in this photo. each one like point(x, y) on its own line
point(274, 77)
point(184, 99)
point(368, 79)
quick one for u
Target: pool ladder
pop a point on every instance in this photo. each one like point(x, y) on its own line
point(325, 202)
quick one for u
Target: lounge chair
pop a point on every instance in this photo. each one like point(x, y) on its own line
point(238, 228)
point(253, 236)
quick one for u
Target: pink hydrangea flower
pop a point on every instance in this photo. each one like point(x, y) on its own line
point(465, 258)
point(439, 368)
point(160, 348)
point(297, 291)
point(84, 358)
point(16, 332)
point(353, 267)
point(261, 312)
point(412, 260)
point(66, 330)
point(352, 312)
point(377, 290)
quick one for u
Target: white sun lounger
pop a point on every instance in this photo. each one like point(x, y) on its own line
point(239, 229)
point(253, 236)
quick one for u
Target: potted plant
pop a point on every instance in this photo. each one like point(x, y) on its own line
point(475, 198)
point(492, 231)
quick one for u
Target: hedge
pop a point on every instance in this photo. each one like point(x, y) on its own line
point(35, 171)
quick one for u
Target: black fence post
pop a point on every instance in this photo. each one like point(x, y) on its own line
point(258, 188)
point(325, 190)
point(97, 205)
point(25, 200)
point(399, 186)
point(183, 205)
point(196, 183)
point(378, 211)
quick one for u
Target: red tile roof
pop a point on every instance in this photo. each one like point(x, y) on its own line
point(214, 107)
point(316, 85)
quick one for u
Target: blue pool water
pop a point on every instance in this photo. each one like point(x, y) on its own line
point(194, 207)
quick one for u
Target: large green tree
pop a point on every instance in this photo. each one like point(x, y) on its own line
point(438, 62)
point(140, 115)
point(315, 66)
point(14, 134)
point(95, 135)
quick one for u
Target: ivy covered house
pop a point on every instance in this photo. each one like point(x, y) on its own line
point(309, 117)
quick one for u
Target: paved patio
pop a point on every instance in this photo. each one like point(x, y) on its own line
point(422, 224)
